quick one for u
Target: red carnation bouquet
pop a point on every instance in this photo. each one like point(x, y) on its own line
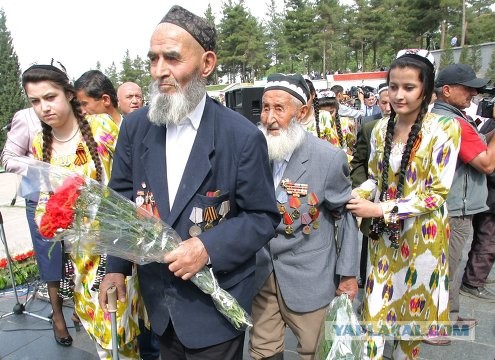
point(60, 208)
point(93, 218)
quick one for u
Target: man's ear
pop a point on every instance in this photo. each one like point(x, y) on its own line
point(302, 112)
point(209, 62)
point(106, 99)
point(446, 90)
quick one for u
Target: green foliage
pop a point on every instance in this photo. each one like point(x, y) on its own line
point(446, 58)
point(475, 57)
point(12, 96)
point(464, 57)
point(490, 72)
point(23, 270)
point(241, 48)
point(111, 73)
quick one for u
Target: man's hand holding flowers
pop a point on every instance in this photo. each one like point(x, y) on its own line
point(187, 259)
point(348, 285)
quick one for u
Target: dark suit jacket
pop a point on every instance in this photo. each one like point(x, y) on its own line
point(359, 163)
point(229, 154)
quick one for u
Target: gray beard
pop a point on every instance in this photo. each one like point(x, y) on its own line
point(166, 109)
point(281, 146)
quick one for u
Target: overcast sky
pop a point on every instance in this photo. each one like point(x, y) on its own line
point(80, 33)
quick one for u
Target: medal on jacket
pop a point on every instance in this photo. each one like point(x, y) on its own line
point(224, 210)
point(289, 230)
point(196, 217)
point(306, 220)
point(282, 198)
point(312, 202)
point(296, 190)
point(294, 203)
point(210, 215)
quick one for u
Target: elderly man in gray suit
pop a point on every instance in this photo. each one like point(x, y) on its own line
point(303, 267)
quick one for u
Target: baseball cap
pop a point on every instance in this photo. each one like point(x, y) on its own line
point(460, 74)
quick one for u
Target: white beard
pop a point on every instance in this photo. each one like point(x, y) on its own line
point(168, 109)
point(280, 146)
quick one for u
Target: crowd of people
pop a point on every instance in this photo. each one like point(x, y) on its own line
point(281, 206)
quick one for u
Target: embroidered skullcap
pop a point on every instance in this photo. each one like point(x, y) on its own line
point(293, 84)
point(419, 54)
point(204, 33)
point(382, 87)
point(326, 93)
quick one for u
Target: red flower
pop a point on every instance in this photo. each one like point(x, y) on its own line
point(3, 263)
point(59, 212)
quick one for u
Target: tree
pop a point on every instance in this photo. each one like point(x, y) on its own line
point(490, 72)
point(111, 73)
point(299, 31)
point(446, 58)
point(12, 97)
point(241, 43)
point(463, 58)
point(277, 48)
point(475, 58)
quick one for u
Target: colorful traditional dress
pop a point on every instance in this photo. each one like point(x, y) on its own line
point(86, 277)
point(410, 284)
point(328, 132)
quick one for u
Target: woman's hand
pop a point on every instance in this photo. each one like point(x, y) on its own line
point(364, 208)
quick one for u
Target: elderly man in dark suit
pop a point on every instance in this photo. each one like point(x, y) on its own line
point(204, 170)
point(302, 268)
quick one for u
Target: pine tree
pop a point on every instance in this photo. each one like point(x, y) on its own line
point(12, 96)
point(490, 72)
point(446, 58)
point(475, 58)
point(464, 57)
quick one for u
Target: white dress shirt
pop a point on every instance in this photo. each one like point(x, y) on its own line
point(180, 140)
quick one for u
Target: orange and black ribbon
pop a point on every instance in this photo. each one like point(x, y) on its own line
point(81, 157)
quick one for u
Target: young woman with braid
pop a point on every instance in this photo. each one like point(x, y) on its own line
point(328, 125)
point(85, 145)
point(412, 163)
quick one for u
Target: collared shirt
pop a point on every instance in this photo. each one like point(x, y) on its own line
point(279, 169)
point(180, 140)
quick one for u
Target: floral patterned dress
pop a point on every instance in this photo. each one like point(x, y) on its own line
point(86, 304)
point(328, 132)
point(410, 284)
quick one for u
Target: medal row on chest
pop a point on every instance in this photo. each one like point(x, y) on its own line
point(289, 203)
point(206, 218)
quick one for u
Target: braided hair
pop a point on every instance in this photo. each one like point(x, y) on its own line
point(333, 102)
point(59, 78)
point(316, 110)
point(426, 76)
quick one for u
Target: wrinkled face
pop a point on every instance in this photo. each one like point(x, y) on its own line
point(175, 56)
point(405, 91)
point(384, 103)
point(278, 109)
point(89, 105)
point(130, 98)
point(50, 103)
point(458, 96)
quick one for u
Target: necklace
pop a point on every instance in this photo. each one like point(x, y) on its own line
point(67, 140)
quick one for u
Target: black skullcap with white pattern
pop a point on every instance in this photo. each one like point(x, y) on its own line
point(293, 84)
point(204, 33)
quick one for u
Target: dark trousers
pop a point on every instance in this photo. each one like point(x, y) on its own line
point(482, 254)
point(172, 349)
point(149, 346)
